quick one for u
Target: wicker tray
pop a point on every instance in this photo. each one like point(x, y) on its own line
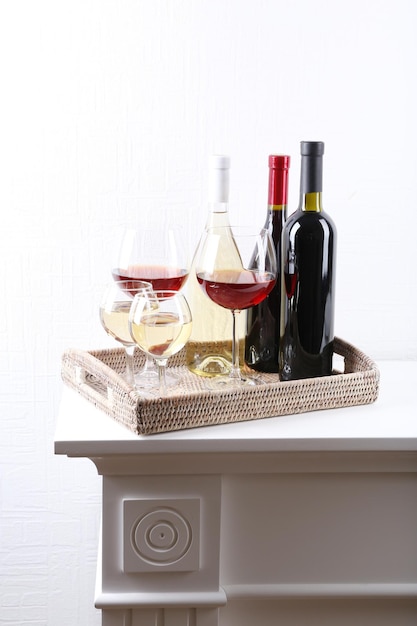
point(96, 376)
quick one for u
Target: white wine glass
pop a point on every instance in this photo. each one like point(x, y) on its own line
point(158, 255)
point(238, 284)
point(160, 324)
point(114, 316)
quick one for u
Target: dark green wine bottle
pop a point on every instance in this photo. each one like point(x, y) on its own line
point(308, 277)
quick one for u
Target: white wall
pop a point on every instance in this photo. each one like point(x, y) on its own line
point(108, 107)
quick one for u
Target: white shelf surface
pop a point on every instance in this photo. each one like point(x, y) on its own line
point(388, 424)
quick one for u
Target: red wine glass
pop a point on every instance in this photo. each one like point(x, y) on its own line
point(158, 255)
point(237, 269)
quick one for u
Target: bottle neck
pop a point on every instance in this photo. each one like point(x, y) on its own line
point(311, 184)
point(218, 191)
point(218, 215)
point(277, 189)
point(311, 202)
point(218, 205)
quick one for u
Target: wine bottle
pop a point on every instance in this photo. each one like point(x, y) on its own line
point(263, 320)
point(209, 349)
point(308, 277)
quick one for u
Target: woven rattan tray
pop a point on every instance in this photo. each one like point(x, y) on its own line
point(96, 376)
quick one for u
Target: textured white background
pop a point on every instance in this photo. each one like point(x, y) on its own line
point(109, 109)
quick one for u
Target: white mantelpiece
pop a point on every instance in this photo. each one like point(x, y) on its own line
point(304, 519)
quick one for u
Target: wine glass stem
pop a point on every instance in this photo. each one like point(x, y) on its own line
point(130, 376)
point(235, 371)
point(162, 376)
point(149, 365)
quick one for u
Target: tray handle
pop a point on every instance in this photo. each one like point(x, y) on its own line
point(96, 380)
point(354, 360)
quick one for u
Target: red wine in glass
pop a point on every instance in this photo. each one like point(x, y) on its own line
point(236, 268)
point(236, 289)
point(161, 277)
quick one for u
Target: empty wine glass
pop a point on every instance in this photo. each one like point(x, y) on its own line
point(160, 324)
point(237, 269)
point(114, 316)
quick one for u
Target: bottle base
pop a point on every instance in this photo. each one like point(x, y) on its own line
point(264, 368)
point(212, 359)
point(209, 359)
point(297, 364)
point(210, 367)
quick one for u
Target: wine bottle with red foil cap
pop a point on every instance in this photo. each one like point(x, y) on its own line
point(263, 320)
point(308, 277)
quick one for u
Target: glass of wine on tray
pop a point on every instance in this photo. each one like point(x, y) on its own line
point(114, 316)
point(158, 255)
point(237, 269)
point(160, 323)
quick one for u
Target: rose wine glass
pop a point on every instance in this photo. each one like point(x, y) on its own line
point(160, 324)
point(239, 284)
point(114, 316)
point(158, 255)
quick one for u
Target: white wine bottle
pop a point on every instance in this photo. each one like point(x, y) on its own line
point(209, 350)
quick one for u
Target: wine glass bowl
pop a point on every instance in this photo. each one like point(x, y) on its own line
point(160, 324)
point(153, 254)
point(114, 315)
point(236, 289)
point(237, 269)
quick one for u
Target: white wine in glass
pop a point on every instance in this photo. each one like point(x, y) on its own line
point(160, 324)
point(114, 316)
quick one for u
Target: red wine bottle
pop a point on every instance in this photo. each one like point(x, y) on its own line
point(308, 277)
point(263, 320)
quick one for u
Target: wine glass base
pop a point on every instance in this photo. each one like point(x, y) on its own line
point(224, 383)
point(148, 381)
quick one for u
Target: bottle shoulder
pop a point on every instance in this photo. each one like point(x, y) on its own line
point(310, 221)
